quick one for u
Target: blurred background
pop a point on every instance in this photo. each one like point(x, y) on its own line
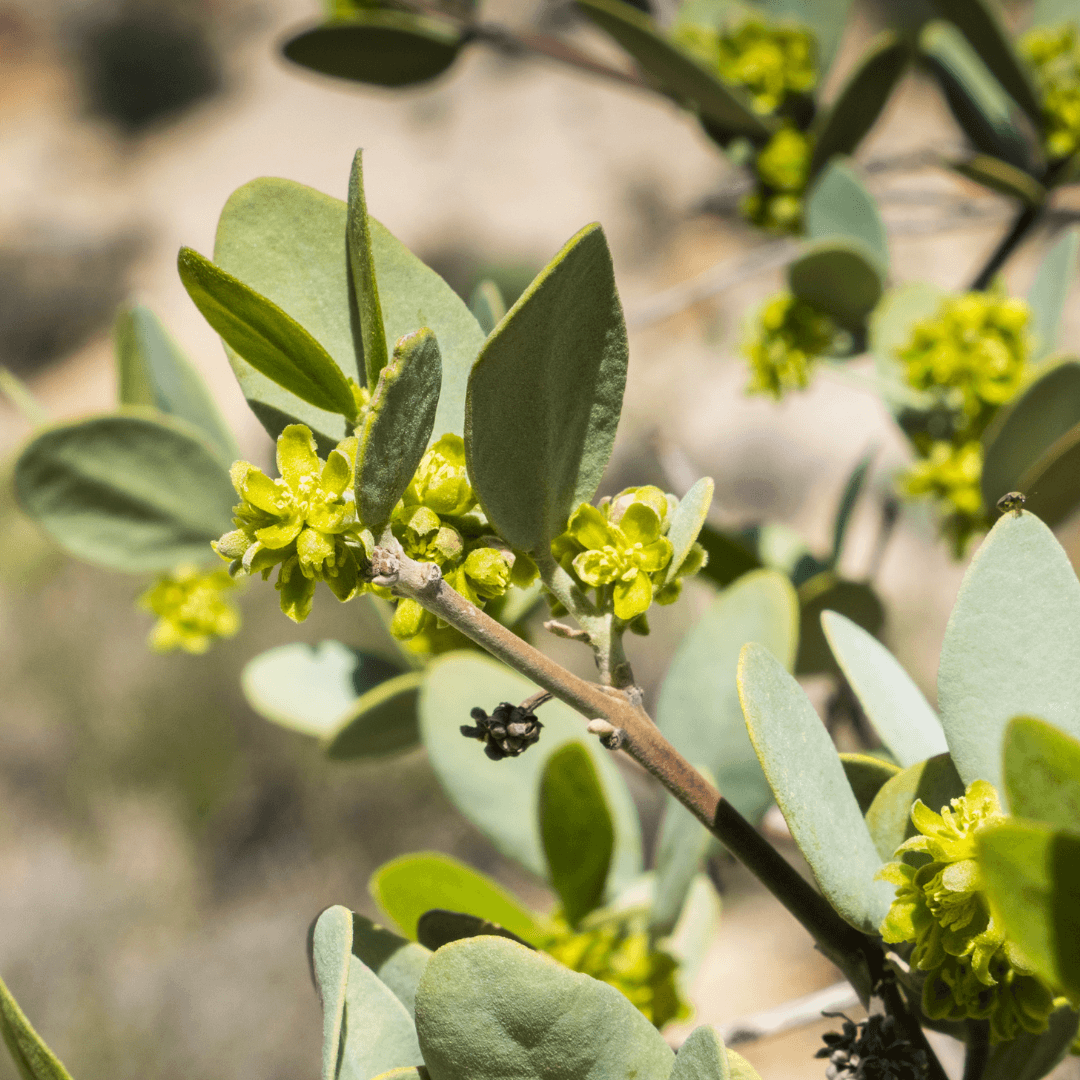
point(162, 849)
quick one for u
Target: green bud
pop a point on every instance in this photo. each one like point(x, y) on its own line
point(193, 608)
point(488, 570)
point(783, 171)
point(789, 335)
point(441, 481)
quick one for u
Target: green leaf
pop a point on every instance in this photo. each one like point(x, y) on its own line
point(979, 102)
point(680, 849)
point(398, 963)
point(686, 523)
point(826, 18)
point(860, 101)
point(385, 48)
point(983, 29)
point(813, 793)
point(729, 558)
point(838, 205)
point(365, 287)
point(1000, 176)
point(438, 927)
point(852, 491)
point(839, 277)
point(382, 721)
point(33, 1059)
point(406, 887)
point(1032, 875)
point(1028, 427)
point(698, 709)
point(1050, 289)
point(331, 954)
point(270, 340)
point(1031, 1057)
point(487, 305)
point(397, 426)
point(894, 705)
point(828, 592)
point(1012, 645)
point(501, 797)
point(1042, 773)
point(153, 370)
point(867, 775)
point(702, 1056)
point(130, 492)
point(1053, 12)
point(725, 108)
point(310, 688)
point(554, 368)
point(1052, 483)
point(287, 242)
point(576, 828)
point(488, 1008)
point(935, 781)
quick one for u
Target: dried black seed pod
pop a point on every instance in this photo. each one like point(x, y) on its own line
point(510, 730)
point(874, 1049)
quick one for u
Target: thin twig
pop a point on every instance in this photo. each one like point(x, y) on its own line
point(791, 1014)
point(1012, 239)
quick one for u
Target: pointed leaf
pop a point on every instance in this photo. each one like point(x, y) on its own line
point(439, 927)
point(576, 827)
point(362, 270)
point(829, 592)
point(33, 1059)
point(861, 99)
point(935, 781)
point(384, 48)
point(501, 797)
point(813, 793)
point(893, 704)
point(554, 368)
point(380, 722)
point(1000, 176)
point(838, 277)
point(398, 963)
point(852, 491)
point(1012, 645)
point(699, 710)
point(272, 342)
point(130, 492)
point(310, 688)
point(487, 305)
point(686, 523)
point(331, 953)
point(724, 107)
point(408, 886)
point(1032, 875)
point(1028, 427)
point(867, 776)
point(488, 1008)
point(396, 426)
point(702, 1057)
point(1042, 773)
point(839, 205)
point(1050, 289)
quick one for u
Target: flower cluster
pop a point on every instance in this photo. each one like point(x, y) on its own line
point(789, 334)
point(1054, 56)
point(972, 971)
point(782, 167)
point(771, 63)
point(304, 522)
point(438, 520)
point(192, 609)
point(621, 550)
point(972, 356)
point(618, 951)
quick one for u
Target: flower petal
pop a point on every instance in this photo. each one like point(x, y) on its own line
point(632, 598)
point(641, 524)
point(257, 488)
point(296, 456)
point(590, 528)
point(282, 534)
point(314, 548)
point(337, 474)
point(297, 591)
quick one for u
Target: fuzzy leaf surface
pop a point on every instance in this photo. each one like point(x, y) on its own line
point(397, 962)
point(687, 521)
point(1042, 773)
point(365, 287)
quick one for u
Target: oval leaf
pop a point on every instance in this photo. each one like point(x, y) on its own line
point(828, 592)
point(839, 205)
point(1050, 289)
point(382, 721)
point(272, 342)
point(867, 776)
point(397, 426)
point(1042, 773)
point(408, 886)
point(686, 523)
point(680, 849)
point(813, 793)
point(33, 1059)
point(1012, 645)
point(893, 704)
point(438, 927)
point(729, 557)
point(838, 277)
point(545, 396)
point(1052, 484)
point(501, 797)
point(130, 492)
point(488, 1008)
point(576, 828)
point(699, 711)
point(331, 952)
point(398, 963)
point(702, 1057)
point(385, 48)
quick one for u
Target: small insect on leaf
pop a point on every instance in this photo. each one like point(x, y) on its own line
point(1011, 500)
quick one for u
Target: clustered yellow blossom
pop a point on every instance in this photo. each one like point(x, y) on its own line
point(617, 951)
point(1054, 55)
point(192, 608)
point(971, 970)
point(783, 170)
point(787, 336)
point(621, 550)
point(972, 357)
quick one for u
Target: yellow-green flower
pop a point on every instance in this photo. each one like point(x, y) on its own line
point(972, 971)
point(193, 608)
point(788, 336)
point(951, 475)
point(304, 521)
point(1054, 56)
point(441, 482)
point(783, 170)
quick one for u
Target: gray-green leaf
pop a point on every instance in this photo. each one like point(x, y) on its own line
point(686, 523)
point(935, 781)
point(362, 269)
point(702, 1057)
point(33, 1059)
point(397, 962)
point(840, 277)
point(839, 205)
point(1050, 289)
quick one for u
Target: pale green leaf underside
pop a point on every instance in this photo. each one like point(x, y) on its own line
point(702, 1057)
point(839, 205)
point(1050, 290)
point(331, 952)
point(687, 521)
point(397, 962)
